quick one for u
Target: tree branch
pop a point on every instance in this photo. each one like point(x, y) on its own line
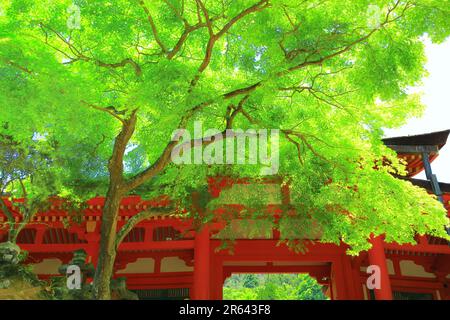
point(188, 29)
point(115, 165)
point(214, 37)
point(78, 55)
point(124, 62)
point(177, 13)
point(153, 26)
point(107, 110)
point(232, 112)
point(136, 219)
point(164, 158)
point(16, 65)
point(261, 5)
point(351, 44)
point(6, 211)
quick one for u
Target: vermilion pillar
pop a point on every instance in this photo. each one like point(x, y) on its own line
point(357, 284)
point(202, 260)
point(378, 258)
point(351, 278)
point(93, 247)
point(217, 280)
point(339, 281)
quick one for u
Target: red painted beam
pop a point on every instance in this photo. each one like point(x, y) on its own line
point(157, 245)
point(277, 269)
point(411, 282)
point(429, 248)
point(53, 248)
point(158, 281)
point(267, 250)
point(129, 246)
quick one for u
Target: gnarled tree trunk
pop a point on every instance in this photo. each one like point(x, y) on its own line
point(107, 254)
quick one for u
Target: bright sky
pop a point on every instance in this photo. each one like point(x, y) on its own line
point(436, 97)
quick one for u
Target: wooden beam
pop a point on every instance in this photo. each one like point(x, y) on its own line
point(430, 248)
point(128, 246)
point(414, 149)
point(277, 269)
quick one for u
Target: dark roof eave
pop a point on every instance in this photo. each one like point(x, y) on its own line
point(438, 138)
point(445, 187)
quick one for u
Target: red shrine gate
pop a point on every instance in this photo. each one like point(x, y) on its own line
point(164, 258)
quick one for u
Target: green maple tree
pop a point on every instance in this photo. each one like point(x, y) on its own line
point(111, 81)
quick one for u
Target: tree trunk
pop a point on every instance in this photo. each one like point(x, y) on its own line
point(12, 236)
point(107, 254)
point(116, 190)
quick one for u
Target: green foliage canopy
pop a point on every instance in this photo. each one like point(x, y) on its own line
point(329, 74)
